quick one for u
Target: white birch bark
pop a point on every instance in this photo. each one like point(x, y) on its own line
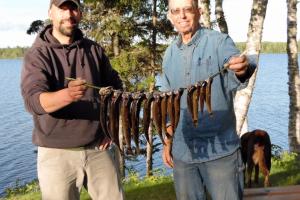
point(205, 13)
point(294, 79)
point(220, 17)
point(253, 46)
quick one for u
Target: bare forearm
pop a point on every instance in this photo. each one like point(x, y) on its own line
point(53, 101)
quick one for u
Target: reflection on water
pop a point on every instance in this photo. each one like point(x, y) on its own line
point(268, 111)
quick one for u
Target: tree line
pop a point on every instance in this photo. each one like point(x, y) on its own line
point(12, 52)
point(267, 47)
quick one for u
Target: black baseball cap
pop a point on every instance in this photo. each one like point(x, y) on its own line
point(58, 3)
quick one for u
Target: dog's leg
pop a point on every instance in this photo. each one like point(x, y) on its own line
point(266, 174)
point(256, 173)
point(261, 161)
point(249, 173)
point(267, 181)
point(244, 171)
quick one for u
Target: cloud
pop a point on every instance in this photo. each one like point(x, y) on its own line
point(12, 38)
point(5, 26)
point(16, 17)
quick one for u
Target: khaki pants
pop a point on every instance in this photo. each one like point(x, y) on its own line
point(63, 172)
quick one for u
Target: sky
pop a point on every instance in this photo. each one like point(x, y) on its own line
point(17, 15)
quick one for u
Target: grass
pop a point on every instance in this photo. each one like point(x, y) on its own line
point(157, 187)
point(285, 171)
point(152, 188)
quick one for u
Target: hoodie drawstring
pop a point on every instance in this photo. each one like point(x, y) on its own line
point(66, 57)
point(81, 55)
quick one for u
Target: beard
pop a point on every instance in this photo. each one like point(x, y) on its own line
point(68, 30)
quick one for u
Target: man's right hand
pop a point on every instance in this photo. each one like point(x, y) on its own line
point(167, 153)
point(53, 101)
point(167, 148)
point(76, 89)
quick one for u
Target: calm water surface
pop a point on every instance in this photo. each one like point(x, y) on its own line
point(268, 111)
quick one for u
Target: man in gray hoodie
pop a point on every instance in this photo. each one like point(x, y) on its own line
point(72, 149)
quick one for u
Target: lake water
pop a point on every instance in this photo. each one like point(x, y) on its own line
point(268, 111)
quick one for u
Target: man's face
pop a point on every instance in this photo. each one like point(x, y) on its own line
point(184, 16)
point(65, 18)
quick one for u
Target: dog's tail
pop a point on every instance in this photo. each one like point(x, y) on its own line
point(268, 151)
point(264, 142)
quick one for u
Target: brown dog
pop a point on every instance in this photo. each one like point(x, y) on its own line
point(256, 152)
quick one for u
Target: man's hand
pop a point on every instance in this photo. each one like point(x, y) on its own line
point(53, 101)
point(104, 144)
point(76, 89)
point(239, 65)
point(167, 153)
point(167, 149)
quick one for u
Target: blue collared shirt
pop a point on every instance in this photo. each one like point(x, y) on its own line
point(185, 64)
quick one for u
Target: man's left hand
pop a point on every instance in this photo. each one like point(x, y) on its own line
point(239, 65)
point(104, 144)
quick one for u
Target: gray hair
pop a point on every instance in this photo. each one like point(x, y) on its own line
point(194, 3)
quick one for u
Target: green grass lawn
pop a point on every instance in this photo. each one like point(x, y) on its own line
point(285, 171)
point(152, 188)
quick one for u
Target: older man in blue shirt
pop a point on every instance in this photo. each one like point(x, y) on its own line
point(206, 156)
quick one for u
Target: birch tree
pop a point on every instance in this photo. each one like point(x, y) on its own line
point(205, 13)
point(294, 79)
point(220, 17)
point(253, 47)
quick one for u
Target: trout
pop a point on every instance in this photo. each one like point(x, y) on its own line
point(202, 95)
point(177, 98)
point(114, 111)
point(171, 110)
point(195, 99)
point(105, 96)
point(163, 107)
point(147, 114)
point(126, 123)
point(157, 117)
point(208, 96)
point(138, 98)
point(190, 91)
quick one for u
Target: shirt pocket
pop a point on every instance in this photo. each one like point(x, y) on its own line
point(203, 69)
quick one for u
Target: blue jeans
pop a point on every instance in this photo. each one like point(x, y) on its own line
point(222, 178)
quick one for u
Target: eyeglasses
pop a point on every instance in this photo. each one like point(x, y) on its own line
point(187, 10)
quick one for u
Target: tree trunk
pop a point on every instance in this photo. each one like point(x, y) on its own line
point(253, 46)
point(116, 44)
point(294, 79)
point(154, 35)
point(149, 153)
point(220, 16)
point(120, 155)
point(149, 159)
point(205, 13)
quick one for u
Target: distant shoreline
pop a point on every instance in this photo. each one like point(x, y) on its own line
point(12, 53)
point(267, 47)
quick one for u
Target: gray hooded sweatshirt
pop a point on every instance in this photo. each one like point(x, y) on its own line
point(46, 64)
